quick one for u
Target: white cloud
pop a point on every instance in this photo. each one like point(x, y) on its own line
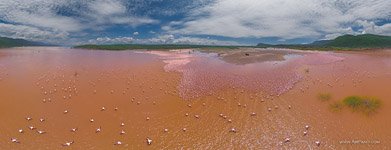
point(36, 13)
point(285, 19)
point(107, 7)
point(107, 40)
point(104, 12)
point(45, 15)
point(162, 39)
point(30, 33)
point(371, 27)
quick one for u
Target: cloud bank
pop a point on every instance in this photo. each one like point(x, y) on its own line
point(174, 21)
point(286, 19)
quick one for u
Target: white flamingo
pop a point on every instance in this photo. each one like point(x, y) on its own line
point(149, 141)
point(28, 118)
point(41, 132)
point(317, 143)
point(118, 143)
point(122, 132)
point(68, 143)
point(15, 140)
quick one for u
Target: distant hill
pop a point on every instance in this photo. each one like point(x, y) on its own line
point(150, 47)
point(9, 42)
point(345, 42)
point(360, 41)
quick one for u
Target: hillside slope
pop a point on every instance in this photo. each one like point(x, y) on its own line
point(8, 42)
point(344, 42)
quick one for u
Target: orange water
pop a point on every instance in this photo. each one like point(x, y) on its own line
point(165, 86)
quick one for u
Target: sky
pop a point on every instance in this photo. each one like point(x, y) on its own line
point(203, 22)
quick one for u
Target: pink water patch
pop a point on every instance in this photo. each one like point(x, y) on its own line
point(317, 58)
point(204, 74)
point(174, 59)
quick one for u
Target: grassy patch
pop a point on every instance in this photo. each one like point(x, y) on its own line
point(367, 105)
point(324, 96)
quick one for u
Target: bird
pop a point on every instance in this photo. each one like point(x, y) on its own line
point(15, 140)
point(42, 120)
point(32, 127)
point(147, 118)
point(149, 141)
point(41, 132)
point(317, 143)
point(307, 127)
point(98, 130)
point(166, 130)
point(102, 109)
point(118, 143)
point(65, 111)
point(287, 140)
point(253, 114)
point(20, 131)
point(197, 116)
point(184, 129)
point(68, 143)
point(73, 129)
point(28, 118)
point(91, 120)
point(122, 132)
point(233, 130)
point(122, 124)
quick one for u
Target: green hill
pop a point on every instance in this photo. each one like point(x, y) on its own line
point(361, 41)
point(345, 42)
point(8, 42)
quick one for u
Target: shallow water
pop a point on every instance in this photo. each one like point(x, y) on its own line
point(154, 90)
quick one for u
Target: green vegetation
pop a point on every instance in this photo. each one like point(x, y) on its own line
point(361, 41)
point(151, 47)
point(345, 42)
point(8, 42)
point(364, 104)
point(324, 96)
